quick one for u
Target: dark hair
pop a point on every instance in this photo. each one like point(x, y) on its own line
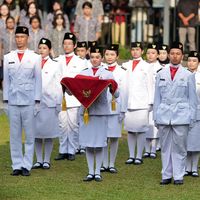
point(10, 17)
point(36, 7)
point(58, 2)
point(3, 4)
point(56, 17)
point(11, 6)
point(35, 17)
point(88, 4)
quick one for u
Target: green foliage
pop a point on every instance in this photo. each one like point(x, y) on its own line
point(64, 179)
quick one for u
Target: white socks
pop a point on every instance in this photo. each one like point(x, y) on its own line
point(113, 152)
point(133, 139)
point(48, 146)
point(150, 145)
point(192, 161)
point(90, 153)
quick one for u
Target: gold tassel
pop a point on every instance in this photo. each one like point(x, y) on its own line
point(64, 104)
point(113, 103)
point(86, 116)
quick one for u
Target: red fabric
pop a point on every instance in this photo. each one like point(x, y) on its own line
point(86, 88)
point(43, 62)
point(173, 71)
point(68, 59)
point(94, 69)
point(20, 56)
point(135, 62)
point(111, 68)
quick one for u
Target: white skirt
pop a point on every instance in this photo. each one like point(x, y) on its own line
point(114, 126)
point(94, 134)
point(47, 125)
point(152, 133)
point(193, 139)
point(136, 121)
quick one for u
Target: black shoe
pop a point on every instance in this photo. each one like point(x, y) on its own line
point(104, 169)
point(25, 172)
point(61, 156)
point(178, 182)
point(16, 172)
point(130, 161)
point(37, 165)
point(195, 174)
point(71, 157)
point(89, 177)
point(187, 173)
point(146, 155)
point(46, 165)
point(112, 170)
point(98, 177)
point(165, 181)
point(138, 161)
point(153, 155)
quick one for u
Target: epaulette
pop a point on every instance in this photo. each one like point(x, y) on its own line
point(159, 70)
point(36, 53)
point(85, 69)
point(123, 68)
point(54, 60)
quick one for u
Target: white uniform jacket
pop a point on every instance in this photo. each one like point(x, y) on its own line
point(74, 67)
point(139, 84)
point(51, 87)
point(22, 80)
point(120, 77)
point(101, 106)
point(197, 78)
point(175, 102)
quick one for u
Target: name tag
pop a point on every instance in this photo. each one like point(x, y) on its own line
point(162, 79)
point(11, 62)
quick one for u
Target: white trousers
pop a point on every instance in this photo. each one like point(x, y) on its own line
point(173, 140)
point(21, 117)
point(68, 138)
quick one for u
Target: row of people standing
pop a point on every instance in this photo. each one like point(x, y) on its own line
point(138, 76)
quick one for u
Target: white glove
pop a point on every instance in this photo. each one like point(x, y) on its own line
point(36, 109)
point(58, 108)
point(5, 107)
point(121, 117)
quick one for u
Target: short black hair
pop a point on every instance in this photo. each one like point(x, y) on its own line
point(37, 18)
point(88, 4)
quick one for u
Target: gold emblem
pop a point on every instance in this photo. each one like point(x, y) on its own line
point(112, 47)
point(86, 93)
point(43, 41)
point(164, 47)
point(24, 29)
point(70, 35)
point(97, 50)
point(93, 44)
point(83, 44)
point(138, 44)
point(154, 46)
point(195, 53)
point(180, 46)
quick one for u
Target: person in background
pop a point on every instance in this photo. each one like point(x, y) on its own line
point(174, 111)
point(14, 9)
point(152, 134)
point(31, 12)
point(163, 54)
point(56, 9)
point(71, 65)
point(187, 13)
point(69, 7)
point(36, 33)
point(116, 116)
point(193, 144)
point(22, 87)
point(87, 28)
point(140, 99)
point(57, 33)
point(4, 13)
point(47, 124)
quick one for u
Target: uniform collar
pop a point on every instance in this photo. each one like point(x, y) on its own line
point(69, 54)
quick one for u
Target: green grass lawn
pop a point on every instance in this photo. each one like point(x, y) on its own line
point(64, 179)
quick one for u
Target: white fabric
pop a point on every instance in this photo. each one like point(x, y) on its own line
point(136, 120)
point(48, 147)
point(21, 117)
point(90, 159)
point(38, 149)
point(69, 127)
point(99, 159)
point(114, 126)
point(173, 140)
point(192, 161)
